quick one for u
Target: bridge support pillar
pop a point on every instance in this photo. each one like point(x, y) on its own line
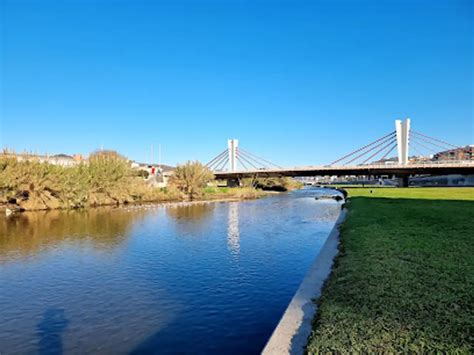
point(403, 181)
point(233, 182)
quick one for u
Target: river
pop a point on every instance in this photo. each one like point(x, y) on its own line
point(186, 278)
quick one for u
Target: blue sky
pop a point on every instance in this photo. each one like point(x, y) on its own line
point(297, 82)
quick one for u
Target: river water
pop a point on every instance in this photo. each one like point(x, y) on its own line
point(196, 278)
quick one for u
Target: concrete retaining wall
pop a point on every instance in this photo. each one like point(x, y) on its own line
point(292, 332)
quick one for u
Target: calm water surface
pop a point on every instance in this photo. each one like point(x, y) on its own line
point(199, 278)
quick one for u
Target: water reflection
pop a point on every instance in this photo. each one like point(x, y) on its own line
point(50, 329)
point(29, 233)
point(190, 211)
point(189, 218)
point(233, 233)
point(217, 272)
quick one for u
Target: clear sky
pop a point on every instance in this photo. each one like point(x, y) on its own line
point(297, 82)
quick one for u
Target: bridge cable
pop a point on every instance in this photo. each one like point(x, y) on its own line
point(258, 163)
point(362, 148)
point(218, 161)
point(435, 139)
point(416, 150)
point(448, 146)
point(432, 143)
point(216, 166)
point(216, 158)
point(267, 161)
point(388, 152)
point(242, 163)
point(371, 149)
point(255, 161)
point(247, 160)
point(429, 149)
point(378, 151)
point(223, 165)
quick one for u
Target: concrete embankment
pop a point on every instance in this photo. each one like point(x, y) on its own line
point(292, 332)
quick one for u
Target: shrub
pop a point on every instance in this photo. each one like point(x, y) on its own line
point(191, 178)
point(107, 178)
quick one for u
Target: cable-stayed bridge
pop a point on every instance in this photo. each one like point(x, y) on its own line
point(370, 159)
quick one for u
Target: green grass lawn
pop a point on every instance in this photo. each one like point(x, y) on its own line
point(404, 278)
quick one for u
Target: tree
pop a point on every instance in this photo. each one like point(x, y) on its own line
point(109, 177)
point(191, 177)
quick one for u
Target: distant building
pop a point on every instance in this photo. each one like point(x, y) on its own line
point(462, 153)
point(420, 159)
point(58, 159)
point(386, 161)
point(61, 159)
point(152, 169)
point(78, 157)
point(155, 174)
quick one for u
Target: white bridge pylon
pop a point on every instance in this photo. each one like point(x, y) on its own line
point(232, 145)
point(402, 130)
point(235, 159)
point(403, 139)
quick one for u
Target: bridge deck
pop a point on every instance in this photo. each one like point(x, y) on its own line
point(466, 167)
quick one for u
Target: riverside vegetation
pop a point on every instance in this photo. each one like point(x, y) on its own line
point(404, 279)
point(106, 178)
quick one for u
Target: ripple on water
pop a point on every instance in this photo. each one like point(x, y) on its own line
point(211, 277)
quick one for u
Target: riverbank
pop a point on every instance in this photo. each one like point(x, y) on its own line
point(404, 277)
point(291, 334)
point(209, 195)
point(105, 179)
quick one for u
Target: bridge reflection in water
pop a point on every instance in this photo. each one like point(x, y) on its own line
point(233, 232)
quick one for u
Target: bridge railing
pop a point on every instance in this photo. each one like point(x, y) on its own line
point(426, 164)
point(446, 162)
point(415, 164)
point(434, 162)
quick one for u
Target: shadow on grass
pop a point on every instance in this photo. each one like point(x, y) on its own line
point(403, 281)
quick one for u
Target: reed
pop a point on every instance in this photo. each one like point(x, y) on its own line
point(106, 178)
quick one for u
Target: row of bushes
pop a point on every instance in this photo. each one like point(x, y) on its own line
point(106, 178)
point(280, 184)
point(241, 193)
